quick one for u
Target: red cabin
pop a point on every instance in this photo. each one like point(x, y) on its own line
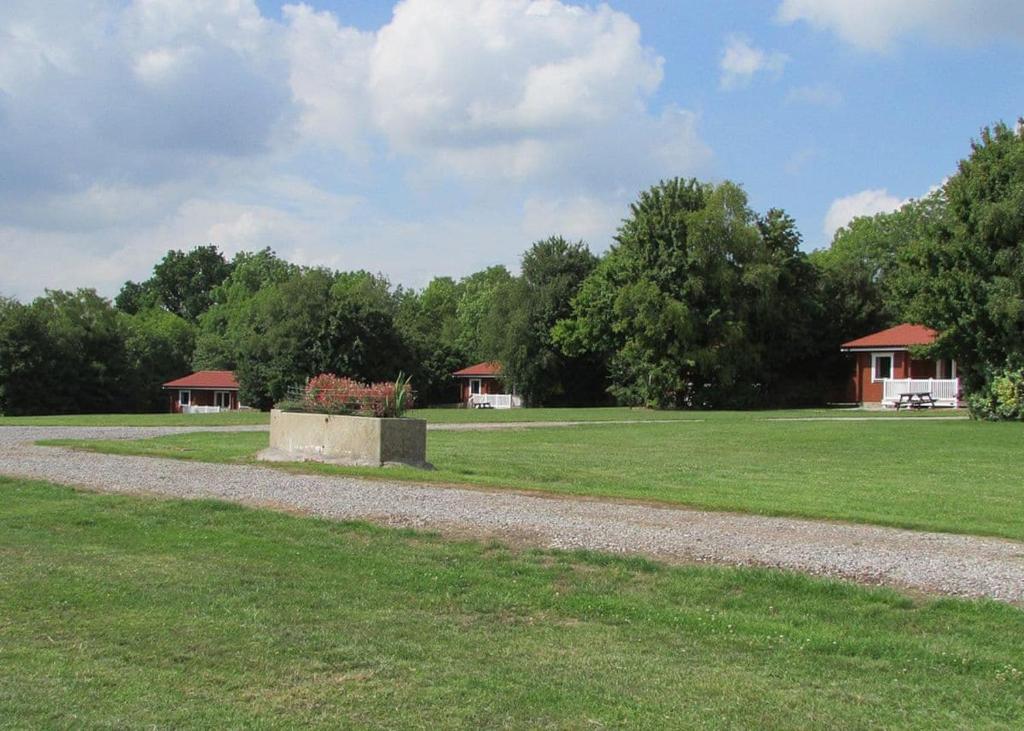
point(203, 392)
point(480, 386)
point(885, 370)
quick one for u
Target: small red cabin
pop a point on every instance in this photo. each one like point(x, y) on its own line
point(480, 386)
point(884, 368)
point(203, 392)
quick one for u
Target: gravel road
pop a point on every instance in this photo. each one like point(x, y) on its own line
point(930, 562)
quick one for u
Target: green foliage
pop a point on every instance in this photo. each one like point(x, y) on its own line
point(312, 321)
point(699, 302)
point(517, 330)
point(159, 347)
point(182, 283)
point(970, 273)
point(478, 294)
point(1002, 396)
point(428, 322)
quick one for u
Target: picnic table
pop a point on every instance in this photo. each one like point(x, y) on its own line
point(916, 400)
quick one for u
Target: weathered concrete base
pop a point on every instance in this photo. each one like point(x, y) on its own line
point(346, 440)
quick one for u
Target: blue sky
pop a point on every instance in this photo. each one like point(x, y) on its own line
point(437, 137)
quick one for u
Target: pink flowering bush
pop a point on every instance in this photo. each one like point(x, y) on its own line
point(331, 394)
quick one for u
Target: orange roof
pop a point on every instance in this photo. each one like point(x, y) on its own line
point(221, 380)
point(901, 336)
point(487, 368)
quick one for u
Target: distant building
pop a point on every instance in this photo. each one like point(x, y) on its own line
point(884, 369)
point(203, 392)
point(481, 386)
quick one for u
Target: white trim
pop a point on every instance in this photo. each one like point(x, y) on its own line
point(182, 392)
point(200, 388)
point(479, 386)
point(869, 349)
point(217, 399)
point(874, 365)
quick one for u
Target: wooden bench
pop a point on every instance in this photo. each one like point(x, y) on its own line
point(916, 400)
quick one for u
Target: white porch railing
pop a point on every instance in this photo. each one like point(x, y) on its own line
point(495, 401)
point(201, 409)
point(943, 390)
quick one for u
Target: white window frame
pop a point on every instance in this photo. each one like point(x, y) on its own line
point(224, 396)
point(874, 366)
point(479, 386)
point(184, 397)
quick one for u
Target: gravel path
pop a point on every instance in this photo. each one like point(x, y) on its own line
point(932, 562)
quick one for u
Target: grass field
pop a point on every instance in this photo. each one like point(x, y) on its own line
point(133, 612)
point(458, 416)
point(954, 476)
point(227, 418)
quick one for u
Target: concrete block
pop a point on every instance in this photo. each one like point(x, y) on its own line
point(348, 440)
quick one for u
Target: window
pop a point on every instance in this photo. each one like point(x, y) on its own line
point(881, 366)
point(184, 397)
point(945, 368)
point(222, 399)
point(474, 385)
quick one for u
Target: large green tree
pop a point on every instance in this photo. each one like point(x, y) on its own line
point(158, 347)
point(477, 295)
point(224, 324)
point(429, 325)
point(517, 330)
point(182, 282)
point(683, 304)
point(64, 353)
point(966, 279)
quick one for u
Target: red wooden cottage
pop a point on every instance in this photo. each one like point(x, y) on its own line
point(480, 386)
point(884, 368)
point(203, 392)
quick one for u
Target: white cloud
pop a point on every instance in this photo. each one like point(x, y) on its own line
point(819, 95)
point(131, 126)
point(865, 203)
point(591, 219)
point(874, 25)
point(741, 61)
point(329, 72)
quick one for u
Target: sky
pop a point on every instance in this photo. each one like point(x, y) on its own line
point(437, 137)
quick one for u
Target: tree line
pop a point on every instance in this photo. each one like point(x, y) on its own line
point(701, 302)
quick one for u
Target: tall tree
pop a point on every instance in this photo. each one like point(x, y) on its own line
point(966, 279)
point(24, 356)
point(223, 324)
point(183, 282)
point(517, 329)
point(429, 326)
point(477, 294)
point(682, 303)
point(158, 346)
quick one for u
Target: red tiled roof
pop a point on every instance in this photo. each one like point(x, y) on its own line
point(223, 380)
point(487, 368)
point(901, 336)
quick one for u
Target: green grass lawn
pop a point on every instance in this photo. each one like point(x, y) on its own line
point(621, 413)
point(457, 416)
point(227, 418)
point(133, 612)
point(955, 476)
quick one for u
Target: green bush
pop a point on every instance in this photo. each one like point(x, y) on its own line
point(1002, 397)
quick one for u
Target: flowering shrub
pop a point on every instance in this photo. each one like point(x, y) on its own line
point(331, 394)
